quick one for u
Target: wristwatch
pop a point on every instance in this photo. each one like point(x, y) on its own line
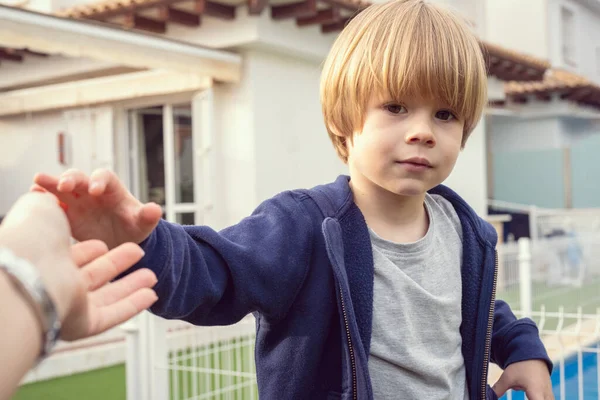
point(28, 282)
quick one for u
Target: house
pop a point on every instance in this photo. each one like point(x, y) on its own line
point(205, 107)
point(545, 136)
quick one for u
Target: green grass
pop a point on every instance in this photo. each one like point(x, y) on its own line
point(100, 384)
point(570, 298)
point(109, 383)
point(181, 383)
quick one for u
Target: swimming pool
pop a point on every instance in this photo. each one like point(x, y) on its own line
point(590, 379)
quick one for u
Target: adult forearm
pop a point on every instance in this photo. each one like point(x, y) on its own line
point(20, 337)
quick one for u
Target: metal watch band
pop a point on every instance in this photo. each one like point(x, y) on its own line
point(28, 280)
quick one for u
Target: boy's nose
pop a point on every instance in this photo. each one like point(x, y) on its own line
point(421, 136)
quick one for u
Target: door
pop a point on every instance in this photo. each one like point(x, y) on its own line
point(172, 158)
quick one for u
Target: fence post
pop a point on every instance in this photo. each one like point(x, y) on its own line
point(525, 283)
point(135, 358)
point(146, 369)
point(533, 223)
point(158, 358)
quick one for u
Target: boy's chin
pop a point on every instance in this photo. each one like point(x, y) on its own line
point(410, 189)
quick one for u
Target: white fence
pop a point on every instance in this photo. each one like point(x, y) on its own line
point(572, 341)
point(556, 282)
point(550, 272)
point(544, 222)
point(177, 361)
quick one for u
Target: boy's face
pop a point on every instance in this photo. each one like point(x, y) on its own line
point(405, 148)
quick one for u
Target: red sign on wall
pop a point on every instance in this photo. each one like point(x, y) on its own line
point(63, 149)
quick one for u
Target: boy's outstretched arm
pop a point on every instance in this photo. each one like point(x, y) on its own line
point(204, 277)
point(519, 351)
point(216, 278)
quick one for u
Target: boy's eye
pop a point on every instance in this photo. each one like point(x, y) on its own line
point(394, 108)
point(445, 115)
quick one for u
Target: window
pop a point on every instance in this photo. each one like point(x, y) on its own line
point(172, 159)
point(567, 22)
point(163, 163)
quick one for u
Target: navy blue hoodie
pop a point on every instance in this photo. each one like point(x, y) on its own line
point(302, 264)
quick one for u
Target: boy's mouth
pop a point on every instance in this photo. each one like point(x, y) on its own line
point(418, 163)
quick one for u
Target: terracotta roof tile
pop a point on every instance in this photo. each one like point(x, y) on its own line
point(504, 53)
point(521, 67)
point(567, 85)
point(100, 7)
point(554, 80)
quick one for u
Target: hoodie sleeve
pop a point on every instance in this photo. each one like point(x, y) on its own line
point(216, 278)
point(515, 340)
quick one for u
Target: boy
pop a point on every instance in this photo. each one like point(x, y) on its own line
point(379, 285)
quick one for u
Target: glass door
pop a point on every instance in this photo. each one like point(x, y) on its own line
point(168, 145)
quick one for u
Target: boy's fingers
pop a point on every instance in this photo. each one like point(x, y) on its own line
point(46, 182)
point(73, 181)
point(85, 252)
point(149, 215)
point(111, 264)
point(105, 181)
point(502, 386)
point(122, 288)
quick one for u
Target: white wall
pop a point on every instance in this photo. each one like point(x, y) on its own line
point(519, 25)
point(292, 146)
point(261, 32)
point(587, 32)
point(34, 70)
point(534, 27)
point(270, 135)
point(29, 144)
point(469, 177)
point(235, 195)
point(511, 134)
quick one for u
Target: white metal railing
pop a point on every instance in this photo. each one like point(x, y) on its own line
point(212, 362)
point(552, 221)
point(556, 282)
point(573, 344)
point(554, 272)
point(178, 361)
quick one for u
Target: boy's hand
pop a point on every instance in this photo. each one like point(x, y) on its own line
point(530, 376)
point(100, 207)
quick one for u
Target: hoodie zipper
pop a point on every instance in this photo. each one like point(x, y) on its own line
point(352, 361)
point(488, 337)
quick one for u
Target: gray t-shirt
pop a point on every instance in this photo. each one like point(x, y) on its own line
point(416, 343)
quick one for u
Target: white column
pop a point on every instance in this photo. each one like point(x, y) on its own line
point(524, 258)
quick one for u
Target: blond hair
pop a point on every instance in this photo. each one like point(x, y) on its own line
point(398, 49)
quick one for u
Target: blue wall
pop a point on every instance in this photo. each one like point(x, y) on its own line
point(530, 177)
point(585, 168)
